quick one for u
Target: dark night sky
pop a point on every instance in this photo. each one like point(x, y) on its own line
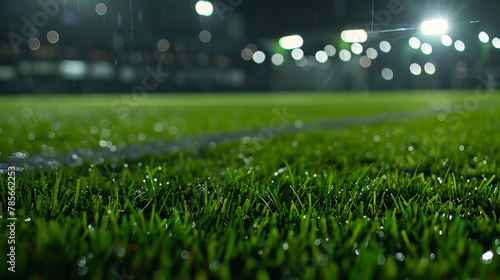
point(261, 18)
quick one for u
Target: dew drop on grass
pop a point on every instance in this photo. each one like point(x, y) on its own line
point(380, 259)
point(184, 254)
point(285, 246)
point(121, 252)
point(81, 261)
point(260, 252)
point(400, 257)
point(317, 242)
point(27, 220)
point(487, 257)
point(83, 270)
point(432, 256)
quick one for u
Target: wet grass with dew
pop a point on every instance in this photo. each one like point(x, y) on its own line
point(400, 199)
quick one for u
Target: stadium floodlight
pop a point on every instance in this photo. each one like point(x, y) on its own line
point(291, 42)
point(354, 36)
point(434, 27)
point(204, 8)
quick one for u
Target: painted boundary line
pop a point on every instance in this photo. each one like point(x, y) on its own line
point(44, 161)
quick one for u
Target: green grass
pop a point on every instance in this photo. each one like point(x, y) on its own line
point(416, 198)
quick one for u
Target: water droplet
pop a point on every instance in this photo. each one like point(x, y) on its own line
point(81, 261)
point(400, 257)
point(487, 257)
point(285, 246)
point(83, 270)
point(380, 259)
point(121, 252)
point(184, 254)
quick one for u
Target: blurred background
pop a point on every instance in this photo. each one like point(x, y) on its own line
point(82, 46)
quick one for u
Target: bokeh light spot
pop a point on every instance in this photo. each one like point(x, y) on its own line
point(297, 54)
point(387, 74)
point(330, 50)
point(204, 8)
point(372, 53)
point(277, 59)
point(365, 61)
point(205, 36)
point(163, 45)
point(385, 46)
point(446, 40)
point(101, 9)
point(483, 37)
point(426, 48)
point(52, 36)
point(415, 69)
point(459, 46)
point(247, 54)
point(430, 68)
point(357, 48)
point(345, 55)
point(414, 43)
point(34, 44)
point(496, 43)
point(321, 56)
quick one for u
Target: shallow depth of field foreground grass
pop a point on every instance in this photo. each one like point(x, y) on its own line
point(401, 199)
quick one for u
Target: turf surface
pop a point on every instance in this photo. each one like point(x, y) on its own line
point(401, 199)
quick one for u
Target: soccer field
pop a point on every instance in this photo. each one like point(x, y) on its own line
point(252, 186)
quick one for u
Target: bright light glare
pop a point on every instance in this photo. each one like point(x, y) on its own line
point(357, 48)
point(414, 43)
point(430, 68)
point(354, 36)
point(291, 42)
point(297, 54)
point(277, 59)
point(434, 26)
point(73, 69)
point(459, 46)
point(496, 43)
point(259, 57)
point(345, 55)
point(321, 56)
point(415, 69)
point(426, 48)
point(204, 8)
point(385, 46)
point(483, 37)
point(387, 74)
point(330, 50)
point(446, 40)
point(371, 53)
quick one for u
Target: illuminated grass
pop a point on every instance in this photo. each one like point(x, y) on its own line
point(415, 199)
